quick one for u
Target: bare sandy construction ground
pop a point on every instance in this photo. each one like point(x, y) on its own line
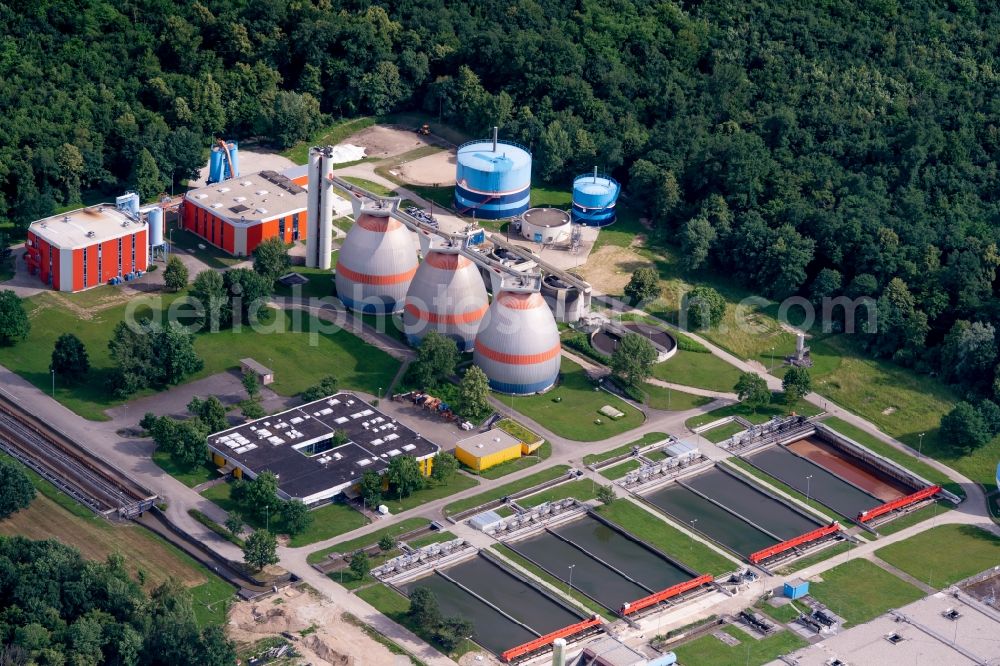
point(329, 639)
point(436, 170)
point(380, 141)
point(610, 268)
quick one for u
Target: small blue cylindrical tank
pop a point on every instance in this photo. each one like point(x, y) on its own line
point(234, 159)
point(215, 168)
point(594, 199)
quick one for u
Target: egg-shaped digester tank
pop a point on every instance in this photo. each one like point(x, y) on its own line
point(376, 263)
point(447, 295)
point(492, 179)
point(594, 199)
point(518, 344)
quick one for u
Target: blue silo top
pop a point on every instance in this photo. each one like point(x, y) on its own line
point(591, 191)
point(480, 168)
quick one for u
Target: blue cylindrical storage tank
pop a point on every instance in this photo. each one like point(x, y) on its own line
point(492, 179)
point(594, 199)
point(234, 157)
point(215, 168)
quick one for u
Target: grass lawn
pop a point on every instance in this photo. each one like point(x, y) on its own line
point(786, 613)
point(920, 515)
point(428, 539)
point(777, 407)
point(347, 578)
point(443, 197)
point(328, 521)
point(581, 489)
point(456, 484)
point(343, 547)
point(300, 348)
point(621, 469)
point(506, 489)
point(860, 591)
point(189, 477)
point(645, 440)
point(330, 135)
point(54, 515)
point(641, 523)
point(944, 555)
point(809, 560)
point(576, 414)
point(710, 651)
point(752, 471)
point(697, 369)
point(672, 400)
point(722, 432)
point(511, 466)
point(394, 606)
point(563, 588)
point(320, 283)
point(371, 186)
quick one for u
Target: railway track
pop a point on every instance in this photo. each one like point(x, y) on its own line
point(70, 467)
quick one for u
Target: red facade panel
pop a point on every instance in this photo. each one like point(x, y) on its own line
point(77, 269)
point(228, 238)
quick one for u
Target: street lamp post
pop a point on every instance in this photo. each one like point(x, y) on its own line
point(53, 384)
point(267, 517)
point(808, 486)
point(920, 444)
point(770, 369)
point(570, 590)
point(380, 394)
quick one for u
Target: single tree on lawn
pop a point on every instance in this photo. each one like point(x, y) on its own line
point(69, 359)
point(327, 386)
point(644, 285)
point(260, 550)
point(453, 630)
point(386, 543)
point(796, 383)
point(703, 308)
point(234, 522)
point(752, 391)
point(14, 324)
point(175, 357)
point(16, 491)
point(259, 496)
point(633, 359)
point(190, 448)
point(209, 296)
point(271, 259)
point(963, 429)
point(404, 475)
point(424, 610)
point(371, 488)
point(297, 517)
point(606, 494)
point(175, 275)
point(436, 359)
point(474, 394)
point(445, 466)
point(360, 564)
point(211, 411)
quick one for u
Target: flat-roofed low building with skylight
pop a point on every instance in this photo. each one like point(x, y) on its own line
point(320, 449)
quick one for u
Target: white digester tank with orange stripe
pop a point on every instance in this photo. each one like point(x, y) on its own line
point(518, 344)
point(376, 263)
point(447, 295)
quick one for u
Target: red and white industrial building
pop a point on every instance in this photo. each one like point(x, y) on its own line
point(87, 247)
point(238, 214)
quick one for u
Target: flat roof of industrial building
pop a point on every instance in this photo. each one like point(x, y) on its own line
point(85, 226)
point(281, 444)
point(927, 637)
point(251, 198)
point(489, 442)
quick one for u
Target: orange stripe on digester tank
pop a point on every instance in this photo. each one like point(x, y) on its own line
point(521, 300)
point(518, 359)
point(364, 278)
point(446, 262)
point(378, 224)
point(470, 317)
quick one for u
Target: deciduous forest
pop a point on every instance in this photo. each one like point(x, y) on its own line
point(812, 148)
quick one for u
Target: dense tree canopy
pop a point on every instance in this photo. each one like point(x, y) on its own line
point(16, 491)
point(61, 609)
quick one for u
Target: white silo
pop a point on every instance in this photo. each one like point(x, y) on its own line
point(518, 344)
point(447, 295)
point(319, 209)
point(376, 263)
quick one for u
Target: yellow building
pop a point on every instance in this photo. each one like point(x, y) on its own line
point(488, 449)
